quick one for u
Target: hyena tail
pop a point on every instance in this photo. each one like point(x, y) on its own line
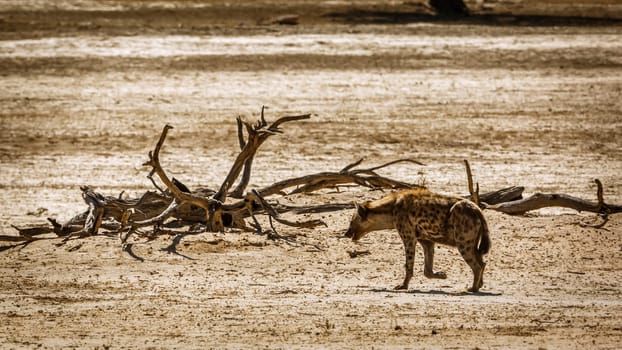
point(484, 234)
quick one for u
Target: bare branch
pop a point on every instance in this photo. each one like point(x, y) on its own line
point(352, 165)
point(32, 231)
point(275, 126)
point(241, 140)
point(257, 135)
point(604, 220)
point(165, 214)
point(474, 194)
point(255, 196)
point(154, 162)
point(407, 160)
point(348, 175)
point(180, 196)
point(599, 195)
point(150, 177)
point(262, 119)
point(503, 195)
point(312, 209)
point(543, 200)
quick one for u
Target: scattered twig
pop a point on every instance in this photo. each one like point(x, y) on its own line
point(128, 249)
point(356, 253)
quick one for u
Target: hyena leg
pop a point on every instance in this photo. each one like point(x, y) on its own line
point(475, 261)
point(464, 229)
point(409, 248)
point(428, 266)
point(480, 261)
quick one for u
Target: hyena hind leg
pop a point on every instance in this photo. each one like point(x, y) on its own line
point(475, 261)
point(428, 265)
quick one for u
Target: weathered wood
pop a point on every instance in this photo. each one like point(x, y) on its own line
point(545, 200)
point(215, 214)
point(313, 209)
point(32, 231)
point(474, 193)
point(238, 192)
point(255, 196)
point(210, 209)
point(510, 200)
point(20, 238)
point(500, 196)
point(290, 19)
point(180, 196)
point(348, 175)
point(257, 135)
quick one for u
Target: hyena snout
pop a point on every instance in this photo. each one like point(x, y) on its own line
point(348, 233)
point(354, 232)
point(351, 232)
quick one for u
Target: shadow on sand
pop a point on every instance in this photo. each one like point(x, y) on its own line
point(435, 292)
point(362, 16)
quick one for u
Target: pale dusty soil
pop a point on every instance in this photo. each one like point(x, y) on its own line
point(85, 94)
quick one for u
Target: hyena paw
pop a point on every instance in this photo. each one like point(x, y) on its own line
point(440, 275)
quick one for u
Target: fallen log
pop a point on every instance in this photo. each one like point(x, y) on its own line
point(545, 200)
point(504, 202)
point(175, 205)
point(348, 175)
point(501, 196)
point(214, 210)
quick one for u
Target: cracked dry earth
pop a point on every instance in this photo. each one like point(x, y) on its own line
point(85, 94)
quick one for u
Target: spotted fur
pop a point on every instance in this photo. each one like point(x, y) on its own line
point(428, 218)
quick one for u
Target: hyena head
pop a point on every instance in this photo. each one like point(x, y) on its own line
point(366, 219)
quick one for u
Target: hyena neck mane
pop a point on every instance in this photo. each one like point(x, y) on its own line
point(386, 205)
point(380, 213)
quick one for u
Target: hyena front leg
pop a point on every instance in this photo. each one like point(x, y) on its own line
point(428, 265)
point(409, 248)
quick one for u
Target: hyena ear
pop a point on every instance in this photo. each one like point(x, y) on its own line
point(361, 209)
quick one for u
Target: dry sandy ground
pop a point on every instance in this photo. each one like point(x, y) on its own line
point(84, 95)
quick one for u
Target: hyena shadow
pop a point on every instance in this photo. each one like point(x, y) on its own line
point(435, 292)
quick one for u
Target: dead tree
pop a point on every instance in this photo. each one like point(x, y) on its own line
point(214, 210)
point(214, 206)
point(544, 200)
point(514, 204)
point(348, 175)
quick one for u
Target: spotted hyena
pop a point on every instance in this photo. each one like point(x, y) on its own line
point(428, 218)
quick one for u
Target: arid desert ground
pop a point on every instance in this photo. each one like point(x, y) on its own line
point(87, 86)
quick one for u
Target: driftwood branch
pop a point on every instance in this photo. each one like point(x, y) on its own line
point(348, 175)
point(217, 215)
point(544, 200)
point(178, 194)
point(474, 193)
point(175, 205)
point(248, 164)
point(510, 200)
point(255, 196)
point(500, 196)
point(257, 135)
